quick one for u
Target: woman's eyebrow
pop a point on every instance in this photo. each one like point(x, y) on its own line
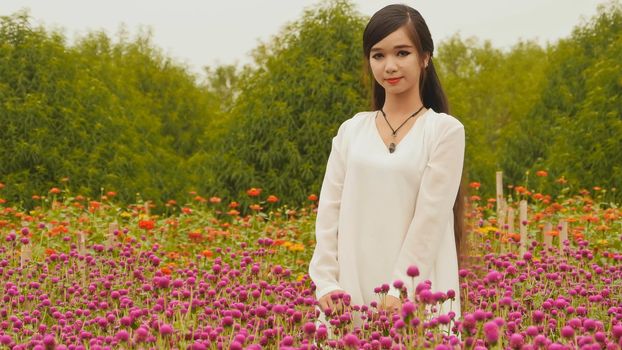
point(395, 47)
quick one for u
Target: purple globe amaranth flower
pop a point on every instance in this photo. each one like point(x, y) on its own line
point(351, 340)
point(491, 332)
point(516, 341)
point(567, 332)
point(122, 335)
point(398, 284)
point(408, 308)
point(309, 328)
point(166, 329)
point(412, 271)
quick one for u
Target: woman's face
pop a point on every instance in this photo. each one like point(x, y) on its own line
point(395, 63)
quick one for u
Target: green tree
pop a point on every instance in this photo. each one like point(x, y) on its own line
point(304, 83)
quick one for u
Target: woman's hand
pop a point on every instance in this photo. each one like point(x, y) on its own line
point(391, 304)
point(327, 302)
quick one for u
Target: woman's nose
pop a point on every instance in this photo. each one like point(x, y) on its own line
point(390, 65)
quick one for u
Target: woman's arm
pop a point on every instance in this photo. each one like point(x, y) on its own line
point(324, 267)
point(434, 207)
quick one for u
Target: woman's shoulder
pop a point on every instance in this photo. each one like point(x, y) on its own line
point(359, 118)
point(356, 121)
point(444, 120)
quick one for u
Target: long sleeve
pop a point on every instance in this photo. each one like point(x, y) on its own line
point(434, 206)
point(324, 267)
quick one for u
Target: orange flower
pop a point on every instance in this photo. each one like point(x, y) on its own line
point(272, 199)
point(542, 173)
point(254, 192)
point(215, 200)
point(200, 199)
point(171, 202)
point(233, 205)
point(207, 253)
point(597, 188)
point(538, 196)
point(233, 212)
point(552, 233)
point(186, 210)
point(474, 198)
point(312, 197)
point(475, 185)
point(562, 180)
point(35, 197)
point(54, 190)
point(2, 200)
point(165, 270)
point(1, 185)
point(256, 207)
point(111, 193)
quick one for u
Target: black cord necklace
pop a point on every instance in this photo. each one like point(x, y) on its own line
point(394, 132)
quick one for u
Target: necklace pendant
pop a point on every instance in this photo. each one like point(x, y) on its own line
point(391, 147)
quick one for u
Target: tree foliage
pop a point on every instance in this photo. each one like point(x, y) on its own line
point(575, 128)
point(119, 115)
point(305, 82)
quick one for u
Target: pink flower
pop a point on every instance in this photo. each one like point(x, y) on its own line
point(491, 332)
point(412, 271)
point(166, 329)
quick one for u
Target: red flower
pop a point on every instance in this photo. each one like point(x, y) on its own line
point(312, 197)
point(54, 190)
point(272, 199)
point(254, 192)
point(146, 224)
point(542, 173)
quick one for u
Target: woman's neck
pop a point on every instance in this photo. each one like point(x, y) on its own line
point(398, 106)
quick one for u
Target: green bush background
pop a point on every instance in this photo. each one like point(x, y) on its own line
point(115, 114)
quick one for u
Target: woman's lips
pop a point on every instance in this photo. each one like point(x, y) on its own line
point(393, 81)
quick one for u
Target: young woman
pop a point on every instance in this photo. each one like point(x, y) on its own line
point(389, 198)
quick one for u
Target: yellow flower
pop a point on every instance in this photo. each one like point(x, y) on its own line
point(486, 229)
point(126, 214)
point(297, 247)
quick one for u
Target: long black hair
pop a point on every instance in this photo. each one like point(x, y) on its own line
point(386, 21)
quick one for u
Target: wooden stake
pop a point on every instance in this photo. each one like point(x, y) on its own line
point(563, 235)
point(510, 219)
point(523, 227)
point(547, 238)
point(25, 255)
point(499, 198)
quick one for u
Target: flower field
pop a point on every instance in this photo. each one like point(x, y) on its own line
point(78, 273)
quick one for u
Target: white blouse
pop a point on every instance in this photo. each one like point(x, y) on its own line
point(381, 212)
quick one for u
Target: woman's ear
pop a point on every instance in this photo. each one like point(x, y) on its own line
point(426, 59)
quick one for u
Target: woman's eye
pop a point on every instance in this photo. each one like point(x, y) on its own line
point(377, 56)
point(403, 53)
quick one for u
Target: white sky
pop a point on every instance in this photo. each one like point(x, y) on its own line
point(208, 32)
